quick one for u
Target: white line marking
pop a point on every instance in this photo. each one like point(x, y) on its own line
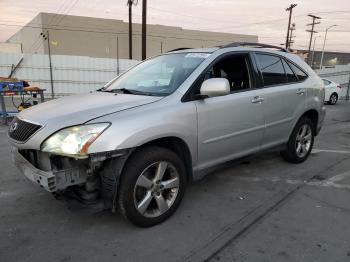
point(330, 151)
point(331, 182)
point(6, 194)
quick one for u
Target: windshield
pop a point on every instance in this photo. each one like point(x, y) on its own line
point(158, 76)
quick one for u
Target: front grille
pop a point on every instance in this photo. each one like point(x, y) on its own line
point(21, 130)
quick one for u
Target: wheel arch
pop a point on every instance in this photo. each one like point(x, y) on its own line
point(178, 146)
point(334, 93)
point(113, 168)
point(312, 114)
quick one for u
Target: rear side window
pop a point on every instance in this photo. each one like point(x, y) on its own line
point(300, 74)
point(272, 69)
point(291, 77)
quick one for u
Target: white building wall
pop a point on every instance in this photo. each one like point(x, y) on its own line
point(108, 38)
point(10, 48)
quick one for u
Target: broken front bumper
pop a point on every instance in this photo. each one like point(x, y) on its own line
point(52, 181)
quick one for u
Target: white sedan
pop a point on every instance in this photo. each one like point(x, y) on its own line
point(333, 91)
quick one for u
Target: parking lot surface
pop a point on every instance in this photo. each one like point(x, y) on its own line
point(257, 209)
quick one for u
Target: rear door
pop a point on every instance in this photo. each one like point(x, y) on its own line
point(284, 97)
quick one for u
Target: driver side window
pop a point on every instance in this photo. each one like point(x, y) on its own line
point(235, 69)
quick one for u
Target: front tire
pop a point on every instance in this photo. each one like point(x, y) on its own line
point(333, 99)
point(300, 141)
point(152, 186)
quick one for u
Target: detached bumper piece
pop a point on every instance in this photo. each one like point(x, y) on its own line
point(52, 181)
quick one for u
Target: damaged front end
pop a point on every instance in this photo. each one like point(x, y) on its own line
point(84, 179)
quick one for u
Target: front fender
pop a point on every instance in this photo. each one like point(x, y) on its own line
point(135, 127)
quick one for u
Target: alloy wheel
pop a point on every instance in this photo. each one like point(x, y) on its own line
point(303, 140)
point(333, 99)
point(156, 189)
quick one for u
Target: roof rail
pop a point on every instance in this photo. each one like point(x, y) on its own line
point(258, 45)
point(179, 49)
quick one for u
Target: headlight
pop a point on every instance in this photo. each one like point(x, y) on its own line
point(73, 140)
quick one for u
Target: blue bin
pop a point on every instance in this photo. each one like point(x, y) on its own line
point(11, 86)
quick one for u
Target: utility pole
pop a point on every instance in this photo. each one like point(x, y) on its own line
point(130, 4)
point(314, 19)
point(313, 50)
point(144, 25)
point(324, 43)
point(118, 72)
point(47, 37)
point(291, 35)
point(290, 9)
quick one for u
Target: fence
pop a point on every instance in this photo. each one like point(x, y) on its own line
point(71, 74)
point(339, 74)
point(81, 74)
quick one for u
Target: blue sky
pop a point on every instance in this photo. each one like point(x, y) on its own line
point(267, 19)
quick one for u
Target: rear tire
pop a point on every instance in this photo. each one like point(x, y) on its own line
point(152, 186)
point(300, 142)
point(333, 99)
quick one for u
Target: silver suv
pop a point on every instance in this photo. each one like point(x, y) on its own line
point(135, 143)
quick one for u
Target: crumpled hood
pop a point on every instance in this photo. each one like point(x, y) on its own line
point(79, 109)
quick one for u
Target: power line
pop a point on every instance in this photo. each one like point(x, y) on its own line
point(242, 38)
point(35, 46)
point(188, 16)
point(237, 26)
point(60, 27)
point(82, 28)
point(277, 20)
point(221, 21)
point(258, 22)
point(40, 25)
point(67, 11)
point(107, 32)
point(60, 9)
point(36, 43)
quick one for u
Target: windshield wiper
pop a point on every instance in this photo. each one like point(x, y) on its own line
point(129, 91)
point(103, 89)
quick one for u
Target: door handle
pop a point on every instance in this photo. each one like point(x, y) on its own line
point(257, 99)
point(300, 91)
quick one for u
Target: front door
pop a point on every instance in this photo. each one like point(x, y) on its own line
point(230, 126)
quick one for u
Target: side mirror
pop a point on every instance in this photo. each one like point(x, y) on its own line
point(215, 87)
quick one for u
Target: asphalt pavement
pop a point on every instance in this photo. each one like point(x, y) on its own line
point(259, 209)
